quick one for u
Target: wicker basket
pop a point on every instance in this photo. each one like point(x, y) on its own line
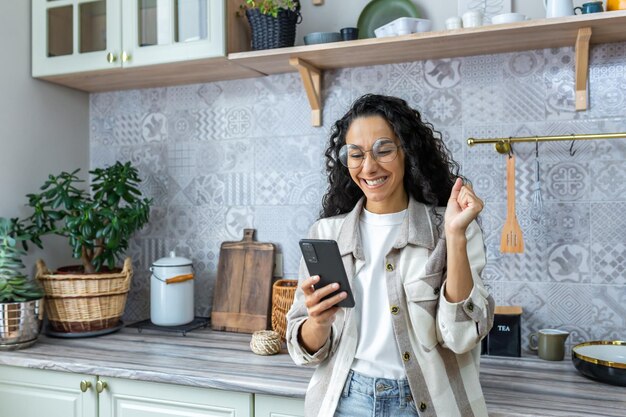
point(269, 32)
point(85, 302)
point(283, 292)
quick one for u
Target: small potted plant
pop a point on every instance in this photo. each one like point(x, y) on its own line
point(89, 297)
point(273, 22)
point(21, 299)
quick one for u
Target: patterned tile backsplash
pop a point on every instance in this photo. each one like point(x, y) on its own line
point(220, 157)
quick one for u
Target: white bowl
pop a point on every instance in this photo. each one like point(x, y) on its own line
point(423, 25)
point(508, 18)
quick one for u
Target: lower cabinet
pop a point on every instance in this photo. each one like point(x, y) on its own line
point(127, 398)
point(273, 406)
point(28, 392)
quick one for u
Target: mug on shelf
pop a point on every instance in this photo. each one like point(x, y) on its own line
point(615, 5)
point(550, 345)
point(349, 34)
point(472, 19)
point(454, 22)
point(558, 8)
point(591, 7)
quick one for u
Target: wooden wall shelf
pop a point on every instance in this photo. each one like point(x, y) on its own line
point(578, 31)
point(532, 34)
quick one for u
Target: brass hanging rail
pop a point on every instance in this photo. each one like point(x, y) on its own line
point(503, 145)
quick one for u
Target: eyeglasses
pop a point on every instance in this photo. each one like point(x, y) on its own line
point(352, 156)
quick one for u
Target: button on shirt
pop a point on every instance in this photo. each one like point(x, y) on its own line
point(377, 354)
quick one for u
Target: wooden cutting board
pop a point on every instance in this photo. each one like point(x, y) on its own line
point(242, 298)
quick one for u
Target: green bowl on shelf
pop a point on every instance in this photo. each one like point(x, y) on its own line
point(380, 12)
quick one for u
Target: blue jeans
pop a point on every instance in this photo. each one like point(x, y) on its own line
point(363, 396)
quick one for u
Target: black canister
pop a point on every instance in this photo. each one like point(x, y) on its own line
point(504, 338)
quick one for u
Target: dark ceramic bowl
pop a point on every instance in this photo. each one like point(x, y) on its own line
point(602, 360)
point(321, 37)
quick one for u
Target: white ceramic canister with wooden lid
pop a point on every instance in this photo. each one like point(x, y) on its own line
point(171, 291)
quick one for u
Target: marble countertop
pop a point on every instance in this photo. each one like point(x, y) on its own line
point(512, 386)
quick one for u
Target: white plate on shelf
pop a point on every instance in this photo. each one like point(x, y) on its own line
point(403, 26)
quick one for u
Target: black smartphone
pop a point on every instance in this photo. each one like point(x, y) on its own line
point(322, 258)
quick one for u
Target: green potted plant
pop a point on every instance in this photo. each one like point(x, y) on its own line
point(273, 22)
point(98, 225)
point(21, 299)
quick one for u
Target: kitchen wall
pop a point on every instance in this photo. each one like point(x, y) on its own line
point(222, 156)
point(45, 127)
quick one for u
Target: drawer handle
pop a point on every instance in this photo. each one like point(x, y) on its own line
point(125, 56)
point(101, 386)
point(85, 385)
point(111, 57)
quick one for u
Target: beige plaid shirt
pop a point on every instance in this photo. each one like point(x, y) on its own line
point(439, 341)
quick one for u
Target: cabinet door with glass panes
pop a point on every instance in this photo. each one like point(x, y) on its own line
point(88, 35)
point(75, 36)
point(162, 31)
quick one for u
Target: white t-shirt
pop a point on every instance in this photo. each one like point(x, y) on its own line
point(376, 354)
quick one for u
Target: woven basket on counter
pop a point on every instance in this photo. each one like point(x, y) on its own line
point(85, 302)
point(265, 342)
point(269, 32)
point(283, 292)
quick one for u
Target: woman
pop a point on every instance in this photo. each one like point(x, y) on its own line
point(405, 226)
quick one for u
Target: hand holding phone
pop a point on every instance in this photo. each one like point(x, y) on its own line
point(316, 329)
point(322, 258)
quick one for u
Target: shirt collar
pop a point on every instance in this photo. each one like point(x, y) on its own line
point(416, 229)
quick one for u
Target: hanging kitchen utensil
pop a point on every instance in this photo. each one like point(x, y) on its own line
point(536, 207)
point(511, 241)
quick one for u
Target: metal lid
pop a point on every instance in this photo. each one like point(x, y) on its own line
point(172, 260)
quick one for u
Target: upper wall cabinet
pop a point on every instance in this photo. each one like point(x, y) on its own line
point(82, 35)
point(103, 40)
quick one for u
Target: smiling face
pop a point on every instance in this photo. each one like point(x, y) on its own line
point(381, 182)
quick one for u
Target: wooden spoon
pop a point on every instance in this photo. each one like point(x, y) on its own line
point(511, 241)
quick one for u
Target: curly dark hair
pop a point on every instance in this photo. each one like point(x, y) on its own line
point(429, 173)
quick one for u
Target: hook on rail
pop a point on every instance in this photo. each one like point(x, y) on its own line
point(572, 151)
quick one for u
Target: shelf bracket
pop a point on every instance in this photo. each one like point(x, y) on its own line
point(582, 67)
point(312, 80)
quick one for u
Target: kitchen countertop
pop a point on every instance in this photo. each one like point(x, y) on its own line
point(525, 386)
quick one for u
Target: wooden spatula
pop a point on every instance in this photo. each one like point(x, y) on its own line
point(511, 241)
